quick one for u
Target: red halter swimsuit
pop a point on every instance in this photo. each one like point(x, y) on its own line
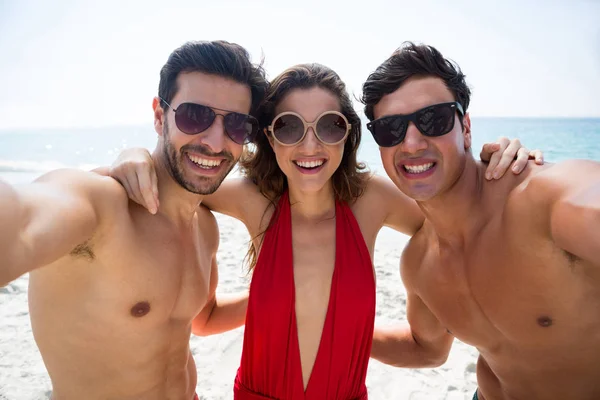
point(270, 366)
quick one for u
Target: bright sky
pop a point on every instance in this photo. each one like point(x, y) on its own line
point(71, 63)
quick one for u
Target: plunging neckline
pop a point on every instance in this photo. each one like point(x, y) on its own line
point(328, 314)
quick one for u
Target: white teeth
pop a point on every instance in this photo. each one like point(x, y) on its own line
point(417, 169)
point(310, 164)
point(204, 162)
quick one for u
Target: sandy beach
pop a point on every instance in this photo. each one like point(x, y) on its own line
point(24, 377)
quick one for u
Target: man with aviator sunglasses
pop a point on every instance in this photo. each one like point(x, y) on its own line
point(115, 293)
point(192, 118)
point(511, 267)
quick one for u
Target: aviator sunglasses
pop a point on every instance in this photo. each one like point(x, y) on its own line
point(432, 121)
point(192, 118)
point(289, 128)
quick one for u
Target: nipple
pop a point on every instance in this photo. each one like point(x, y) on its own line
point(140, 309)
point(544, 321)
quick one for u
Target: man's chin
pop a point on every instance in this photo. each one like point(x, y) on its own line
point(204, 186)
point(198, 183)
point(418, 194)
point(421, 196)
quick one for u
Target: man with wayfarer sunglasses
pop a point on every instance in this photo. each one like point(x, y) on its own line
point(511, 267)
point(114, 293)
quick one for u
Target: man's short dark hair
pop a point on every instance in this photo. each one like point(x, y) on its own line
point(413, 60)
point(228, 60)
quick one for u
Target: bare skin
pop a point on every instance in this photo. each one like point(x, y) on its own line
point(114, 291)
point(511, 267)
point(313, 210)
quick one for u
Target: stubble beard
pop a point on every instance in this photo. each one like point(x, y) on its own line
point(174, 160)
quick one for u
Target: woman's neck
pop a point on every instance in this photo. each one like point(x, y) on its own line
point(316, 205)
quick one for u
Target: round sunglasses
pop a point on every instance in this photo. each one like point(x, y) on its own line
point(289, 128)
point(192, 118)
point(432, 121)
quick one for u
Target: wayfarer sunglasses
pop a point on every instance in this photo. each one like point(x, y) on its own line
point(432, 121)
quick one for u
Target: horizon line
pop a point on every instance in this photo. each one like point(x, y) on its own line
point(150, 124)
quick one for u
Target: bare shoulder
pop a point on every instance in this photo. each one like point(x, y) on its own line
point(76, 178)
point(380, 185)
point(239, 198)
point(384, 204)
point(105, 192)
point(374, 192)
point(380, 195)
point(547, 183)
point(569, 174)
point(531, 198)
point(255, 210)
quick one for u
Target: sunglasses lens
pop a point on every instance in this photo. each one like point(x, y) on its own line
point(390, 131)
point(241, 128)
point(436, 120)
point(193, 118)
point(332, 128)
point(288, 129)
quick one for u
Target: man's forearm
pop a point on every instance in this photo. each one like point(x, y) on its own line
point(397, 347)
point(228, 312)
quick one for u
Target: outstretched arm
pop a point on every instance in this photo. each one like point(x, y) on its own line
point(420, 343)
point(42, 221)
point(575, 215)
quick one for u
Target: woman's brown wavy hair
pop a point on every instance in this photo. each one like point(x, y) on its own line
point(260, 165)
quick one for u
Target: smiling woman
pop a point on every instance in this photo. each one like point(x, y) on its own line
point(317, 91)
point(306, 161)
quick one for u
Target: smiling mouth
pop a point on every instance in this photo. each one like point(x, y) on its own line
point(310, 164)
point(204, 162)
point(418, 169)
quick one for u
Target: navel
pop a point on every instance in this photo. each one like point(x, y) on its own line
point(544, 321)
point(140, 309)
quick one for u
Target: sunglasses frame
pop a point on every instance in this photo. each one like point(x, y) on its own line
point(249, 138)
point(412, 118)
point(312, 125)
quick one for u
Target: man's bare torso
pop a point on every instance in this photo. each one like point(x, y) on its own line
point(113, 318)
point(531, 308)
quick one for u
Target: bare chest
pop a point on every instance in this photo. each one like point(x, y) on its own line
point(314, 261)
point(519, 291)
point(168, 272)
point(135, 276)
